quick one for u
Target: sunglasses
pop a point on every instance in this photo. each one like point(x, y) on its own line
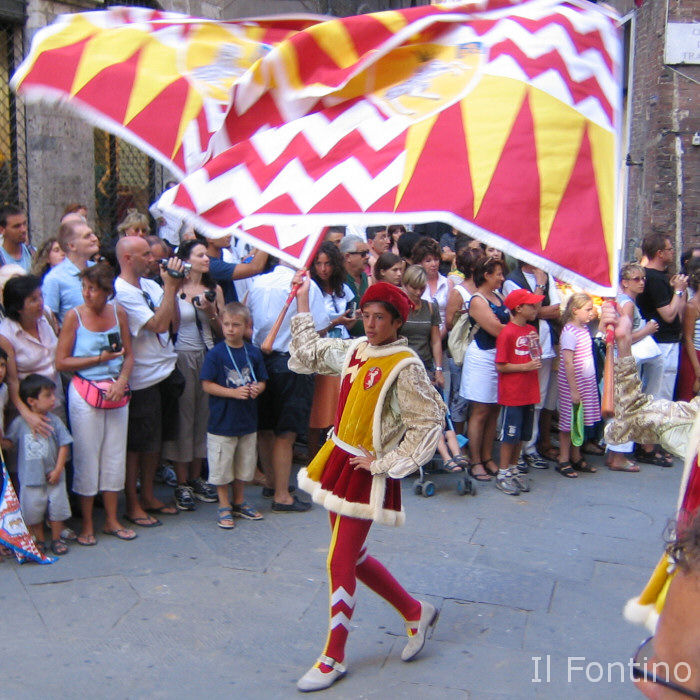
point(363, 253)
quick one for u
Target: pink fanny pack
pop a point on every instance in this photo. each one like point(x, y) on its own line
point(95, 393)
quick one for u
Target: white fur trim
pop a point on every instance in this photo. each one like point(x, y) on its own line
point(641, 614)
point(373, 510)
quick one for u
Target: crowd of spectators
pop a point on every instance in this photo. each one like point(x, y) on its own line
point(144, 358)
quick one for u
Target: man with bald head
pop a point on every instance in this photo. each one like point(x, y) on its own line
point(62, 288)
point(153, 319)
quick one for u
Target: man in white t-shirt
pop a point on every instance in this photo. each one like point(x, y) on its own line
point(283, 408)
point(153, 318)
point(537, 281)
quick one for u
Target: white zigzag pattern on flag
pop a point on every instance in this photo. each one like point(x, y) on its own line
point(340, 619)
point(294, 181)
point(583, 22)
point(588, 64)
point(341, 594)
point(323, 134)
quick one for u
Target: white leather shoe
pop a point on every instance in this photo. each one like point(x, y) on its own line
point(428, 618)
point(315, 679)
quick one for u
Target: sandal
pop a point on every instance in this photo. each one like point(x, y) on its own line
point(224, 518)
point(485, 476)
point(652, 458)
point(583, 466)
point(454, 465)
point(565, 469)
point(59, 548)
point(492, 472)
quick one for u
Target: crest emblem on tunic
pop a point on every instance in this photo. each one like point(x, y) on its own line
point(374, 374)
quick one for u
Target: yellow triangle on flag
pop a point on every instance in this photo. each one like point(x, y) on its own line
point(416, 136)
point(488, 115)
point(391, 19)
point(107, 48)
point(74, 32)
point(193, 105)
point(603, 156)
point(335, 40)
point(558, 133)
point(155, 70)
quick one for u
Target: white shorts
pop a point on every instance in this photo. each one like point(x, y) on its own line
point(231, 458)
point(99, 445)
point(34, 500)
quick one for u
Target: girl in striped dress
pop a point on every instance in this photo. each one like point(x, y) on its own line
point(577, 381)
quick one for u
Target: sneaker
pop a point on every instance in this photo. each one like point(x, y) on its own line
point(521, 481)
point(203, 491)
point(535, 461)
point(296, 506)
point(245, 510)
point(522, 465)
point(184, 498)
point(507, 484)
point(165, 474)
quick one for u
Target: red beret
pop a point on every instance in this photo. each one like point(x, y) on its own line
point(390, 294)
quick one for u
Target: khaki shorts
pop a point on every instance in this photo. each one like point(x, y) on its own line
point(231, 458)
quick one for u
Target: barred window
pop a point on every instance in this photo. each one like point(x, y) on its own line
point(13, 148)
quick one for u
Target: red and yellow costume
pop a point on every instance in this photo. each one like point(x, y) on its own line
point(387, 406)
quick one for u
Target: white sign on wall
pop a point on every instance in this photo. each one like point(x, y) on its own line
point(682, 43)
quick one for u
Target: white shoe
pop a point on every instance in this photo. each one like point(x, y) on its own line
point(315, 679)
point(428, 618)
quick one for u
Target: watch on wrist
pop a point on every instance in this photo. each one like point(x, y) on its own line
point(438, 369)
point(679, 292)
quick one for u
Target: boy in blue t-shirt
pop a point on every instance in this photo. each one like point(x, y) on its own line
point(41, 462)
point(234, 375)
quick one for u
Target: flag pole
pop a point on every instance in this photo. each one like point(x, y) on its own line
point(269, 341)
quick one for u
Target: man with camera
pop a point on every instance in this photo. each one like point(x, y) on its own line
point(155, 382)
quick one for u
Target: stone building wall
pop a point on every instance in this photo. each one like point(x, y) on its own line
point(663, 165)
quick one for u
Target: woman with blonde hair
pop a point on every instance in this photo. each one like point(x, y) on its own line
point(134, 224)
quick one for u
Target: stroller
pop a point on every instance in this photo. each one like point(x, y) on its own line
point(452, 444)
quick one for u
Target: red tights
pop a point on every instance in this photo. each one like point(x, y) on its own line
point(347, 561)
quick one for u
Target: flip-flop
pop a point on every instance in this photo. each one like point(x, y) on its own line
point(165, 509)
point(86, 540)
point(121, 534)
point(628, 466)
point(143, 522)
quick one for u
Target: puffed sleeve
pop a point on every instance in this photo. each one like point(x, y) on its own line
point(640, 418)
point(311, 354)
point(422, 412)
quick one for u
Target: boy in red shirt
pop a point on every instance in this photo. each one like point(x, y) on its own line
point(517, 362)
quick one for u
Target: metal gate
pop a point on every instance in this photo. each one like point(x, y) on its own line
point(13, 147)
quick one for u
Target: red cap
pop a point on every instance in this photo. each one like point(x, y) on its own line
point(522, 296)
point(383, 291)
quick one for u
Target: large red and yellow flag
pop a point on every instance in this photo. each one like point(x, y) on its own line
point(161, 80)
point(500, 118)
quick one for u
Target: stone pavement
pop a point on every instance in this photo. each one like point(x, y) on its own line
point(189, 610)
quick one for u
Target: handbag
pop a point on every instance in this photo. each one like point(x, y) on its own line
point(645, 349)
point(95, 393)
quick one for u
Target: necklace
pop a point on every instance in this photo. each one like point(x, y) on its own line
point(235, 364)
